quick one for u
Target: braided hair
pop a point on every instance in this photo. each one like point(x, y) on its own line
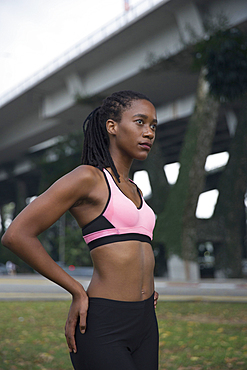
point(96, 140)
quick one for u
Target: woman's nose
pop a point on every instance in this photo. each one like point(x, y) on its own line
point(148, 132)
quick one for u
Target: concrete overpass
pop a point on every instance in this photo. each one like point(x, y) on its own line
point(46, 106)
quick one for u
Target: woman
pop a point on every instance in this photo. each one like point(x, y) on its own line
point(112, 325)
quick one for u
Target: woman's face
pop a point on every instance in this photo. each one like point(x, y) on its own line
point(135, 133)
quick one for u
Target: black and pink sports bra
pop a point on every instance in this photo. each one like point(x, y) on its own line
point(120, 220)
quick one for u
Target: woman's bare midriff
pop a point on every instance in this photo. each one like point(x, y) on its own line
point(122, 271)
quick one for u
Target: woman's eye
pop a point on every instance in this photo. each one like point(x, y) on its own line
point(140, 121)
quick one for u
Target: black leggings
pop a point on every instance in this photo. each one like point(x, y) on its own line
point(119, 336)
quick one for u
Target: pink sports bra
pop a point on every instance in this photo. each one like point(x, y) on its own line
point(120, 220)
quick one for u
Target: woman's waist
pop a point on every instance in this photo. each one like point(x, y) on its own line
point(121, 286)
point(123, 270)
point(114, 303)
point(134, 272)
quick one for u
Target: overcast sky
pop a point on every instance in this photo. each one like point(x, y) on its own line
point(35, 32)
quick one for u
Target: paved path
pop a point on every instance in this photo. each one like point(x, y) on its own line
point(36, 287)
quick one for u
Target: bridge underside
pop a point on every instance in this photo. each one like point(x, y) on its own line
point(127, 59)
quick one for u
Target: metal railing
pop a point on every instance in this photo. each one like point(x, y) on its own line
point(88, 42)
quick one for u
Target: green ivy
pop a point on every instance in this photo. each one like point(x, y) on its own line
point(224, 54)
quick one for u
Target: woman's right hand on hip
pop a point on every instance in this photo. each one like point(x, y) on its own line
point(78, 311)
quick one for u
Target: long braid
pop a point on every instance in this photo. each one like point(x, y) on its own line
point(96, 140)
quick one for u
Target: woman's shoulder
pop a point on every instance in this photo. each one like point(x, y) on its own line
point(77, 184)
point(86, 176)
point(86, 172)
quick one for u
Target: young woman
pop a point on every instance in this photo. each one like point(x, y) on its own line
point(112, 325)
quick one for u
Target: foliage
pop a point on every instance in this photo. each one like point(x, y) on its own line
point(195, 336)
point(224, 54)
point(76, 250)
point(54, 163)
point(58, 160)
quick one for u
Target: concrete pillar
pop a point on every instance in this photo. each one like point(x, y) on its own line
point(180, 270)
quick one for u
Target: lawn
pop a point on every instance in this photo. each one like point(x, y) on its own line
point(195, 336)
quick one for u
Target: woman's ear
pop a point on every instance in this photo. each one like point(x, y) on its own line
point(111, 127)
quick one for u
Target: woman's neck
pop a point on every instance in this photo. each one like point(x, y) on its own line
point(123, 168)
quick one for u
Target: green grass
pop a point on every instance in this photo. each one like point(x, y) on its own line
point(200, 336)
point(195, 336)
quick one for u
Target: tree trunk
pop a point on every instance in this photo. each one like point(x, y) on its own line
point(230, 206)
point(21, 195)
point(154, 165)
point(176, 225)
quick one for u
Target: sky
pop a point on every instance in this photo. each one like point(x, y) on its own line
point(35, 32)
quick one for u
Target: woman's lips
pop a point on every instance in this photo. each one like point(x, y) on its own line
point(146, 145)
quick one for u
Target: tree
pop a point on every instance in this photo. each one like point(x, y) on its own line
point(53, 163)
point(58, 160)
point(222, 59)
point(225, 55)
point(176, 225)
point(154, 165)
point(230, 210)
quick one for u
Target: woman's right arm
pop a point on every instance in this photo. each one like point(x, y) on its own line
point(22, 238)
